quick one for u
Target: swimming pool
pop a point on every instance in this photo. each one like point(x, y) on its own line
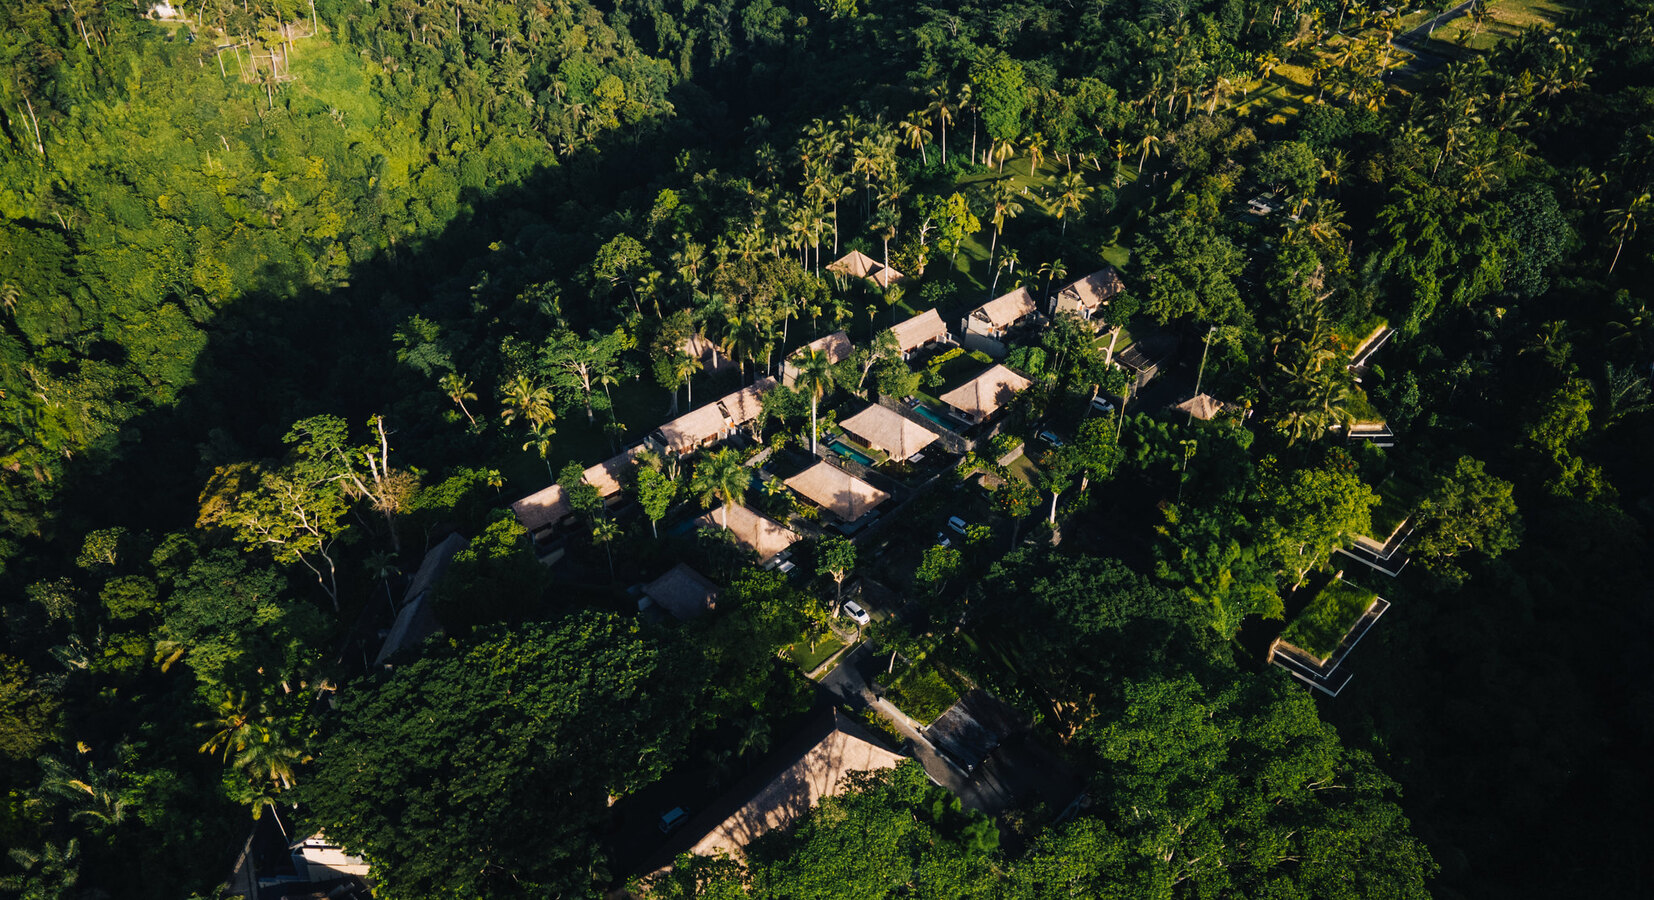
point(924, 410)
point(849, 452)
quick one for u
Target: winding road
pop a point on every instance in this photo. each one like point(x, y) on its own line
point(1413, 39)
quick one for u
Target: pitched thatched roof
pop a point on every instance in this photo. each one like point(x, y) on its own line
point(836, 490)
point(417, 619)
point(919, 330)
point(744, 405)
point(861, 265)
point(1203, 407)
point(986, 393)
point(1007, 310)
point(683, 592)
point(760, 534)
point(836, 346)
point(692, 429)
point(548, 506)
point(816, 765)
point(1091, 292)
point(889, 431)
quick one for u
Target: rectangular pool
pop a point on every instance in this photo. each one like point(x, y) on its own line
point(924, 410)
point(849, 452)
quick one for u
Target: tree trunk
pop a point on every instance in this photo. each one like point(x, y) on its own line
point(812, 424)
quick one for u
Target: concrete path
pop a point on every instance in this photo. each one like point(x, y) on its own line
point(1412, 40)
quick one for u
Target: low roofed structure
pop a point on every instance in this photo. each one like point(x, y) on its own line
point(833, 489)
point(760, 534)
point(884, 429)
point(985, 394)
point(546, 507)
point(998, 315)
point(812, 764)
point(417, 619)
point(1203, 407)
point(1086, 297)
point(836, 347)
point(716, 420)
point(924, 328)
point(860, 265)
point(683, 592)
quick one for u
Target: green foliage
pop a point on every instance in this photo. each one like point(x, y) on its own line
point(1466, 511)
point(493, 579)
point(28, 715)
point(1001, 92)
point(520, 736)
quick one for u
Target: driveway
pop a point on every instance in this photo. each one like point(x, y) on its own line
point(1411, 41)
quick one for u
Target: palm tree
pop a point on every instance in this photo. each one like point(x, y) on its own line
point(1052, 271)
point(1149, 142)
point(521, 397)
point(916, 134)
point(458, 389)
point(720, 476)
point(1622, 224)
point(273, 758)
point(967, 101)
point(1036, 153)
point(1006, 206)
point(815, 378)
point(383, 567)
point(1003, 149)
point(939, 107)
point(238, 723)
point(1072, 192)
point(539, 437)
point(604, 531)
point(1120, 148)
point(684, 367)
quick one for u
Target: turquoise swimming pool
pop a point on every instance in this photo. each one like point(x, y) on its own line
point(924, 410)
point(848, 452)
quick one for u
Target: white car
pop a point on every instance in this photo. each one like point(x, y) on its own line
point(956, 524)
point(1101, 404)
point(854, 611)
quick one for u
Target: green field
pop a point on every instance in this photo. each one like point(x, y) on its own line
point(921, 692)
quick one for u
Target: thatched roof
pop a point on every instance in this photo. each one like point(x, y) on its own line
point(836, 346)
point(986, 393)
point(889, 431)
point(744, 405)
point(548, 506)
point(689, 431)
point(861, 265)
point(1091, 292)
point(817, 770)
point(417, 619)
point(1005, 311)
point(919, 330)
point(683, 592)
point(836, 490)
point(1203, 407)
point(760, 534)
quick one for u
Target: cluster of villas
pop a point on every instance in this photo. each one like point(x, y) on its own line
point(860, 464)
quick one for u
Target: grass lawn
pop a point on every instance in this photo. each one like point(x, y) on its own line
point(1397, 498)
point(1024, 468)
point(1363, 410)
point(1354, 335)
point(921, 692)
point(1321, 627)
point(807, 659)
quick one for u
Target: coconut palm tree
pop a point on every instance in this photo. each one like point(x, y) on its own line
point(604, 531)
point(237, 724)
point(1006, 206)
point(1036, 153)
point(1072, 193)
point(1052, 271)
point(1622, 224)
point(521, 397)
point(458, 389)
point(1149, 142)
point(815, 378)
point(720, 476)
point(915, 133)
point(539, 437)
point(941, 109)
point(274, 758)
point(1002, 150)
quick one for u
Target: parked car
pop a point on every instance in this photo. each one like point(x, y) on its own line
point(854, 611)
point(942, 540)
point(1101, 404)
point(957, 525)
point(672, 819)
point(1052, 439)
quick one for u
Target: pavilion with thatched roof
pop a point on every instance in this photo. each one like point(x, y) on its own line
point(836, 347)
point(760, 534)
point(837, 491)
point(860, 265)
point(884, 429)
point(1203, 407)
point(1001, 314)
point(986, 394)
point(924, 328)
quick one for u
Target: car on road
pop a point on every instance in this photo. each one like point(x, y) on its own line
point(1052, 439)
point(1102, 404)
point(672, 819)
point(854, 611)
point(956, 525)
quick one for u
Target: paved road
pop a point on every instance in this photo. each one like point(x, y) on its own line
point(849, 683)
point(1411, 41)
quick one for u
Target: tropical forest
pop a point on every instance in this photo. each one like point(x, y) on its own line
point(826, 449)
